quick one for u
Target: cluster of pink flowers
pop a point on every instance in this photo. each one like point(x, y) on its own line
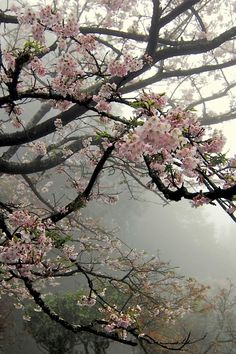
point(67, 85)
point(44, 15)
point(37, 65)
point(153, 100)
point(49, 18)
point(40, 148)
point(22, 218)
point(175, 142)
point(103, 106)
point(120, 320)
point(70, 28)
point(156, 135)
point(133, 64)
point(115, 68)
point(29, 245)
point(215, 144)
point(38, 32)
point(10, 60)
point(67, 66)
point(199, 200)
point(105, 93)
point(130, 64)
point(86, 43)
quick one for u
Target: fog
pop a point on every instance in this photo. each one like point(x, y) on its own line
point(199, 242)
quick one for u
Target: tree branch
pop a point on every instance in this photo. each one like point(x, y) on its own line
point(80, 200)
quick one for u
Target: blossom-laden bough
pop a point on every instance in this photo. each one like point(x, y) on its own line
point(78, 76)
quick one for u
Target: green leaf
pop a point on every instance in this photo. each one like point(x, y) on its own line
point(33, 47)
point(103, 134)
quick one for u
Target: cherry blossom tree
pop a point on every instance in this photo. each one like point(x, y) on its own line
point(95, 92)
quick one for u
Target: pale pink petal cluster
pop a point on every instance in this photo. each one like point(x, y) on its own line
point(40, 148)
point(103, 106)
point(120, 320)
point(37, 65)
point(22, 218)
point(129, 64)
point(199, 201)
point(67, 66)
point(10, 60)
point(215, 144)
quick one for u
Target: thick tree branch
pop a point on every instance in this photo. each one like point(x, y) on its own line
point(10, 167)
point(216, 119)
point(154, 29)
point(183, 193)
point(4, 18)
point(42, 129)
point(176, 73)
point(178, 10)
point(44, 109)
point(198, 47)
point(195, 47)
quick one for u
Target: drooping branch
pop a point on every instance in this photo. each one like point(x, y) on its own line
point(71, 327)
point(183, 193)
point(81, 199)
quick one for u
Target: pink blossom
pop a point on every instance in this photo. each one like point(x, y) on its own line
point(38, 32)
point(29, 16)
point(190, 163)
point(22, 218)
point(40, 148)
point(10, 60)
point(71, 28)
point(86, 43)
point(67, 66)
point(116, 68)
point(199, 200)
point(215, 144)
point(37, 65)
point(103, 106)
point(109, 328)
